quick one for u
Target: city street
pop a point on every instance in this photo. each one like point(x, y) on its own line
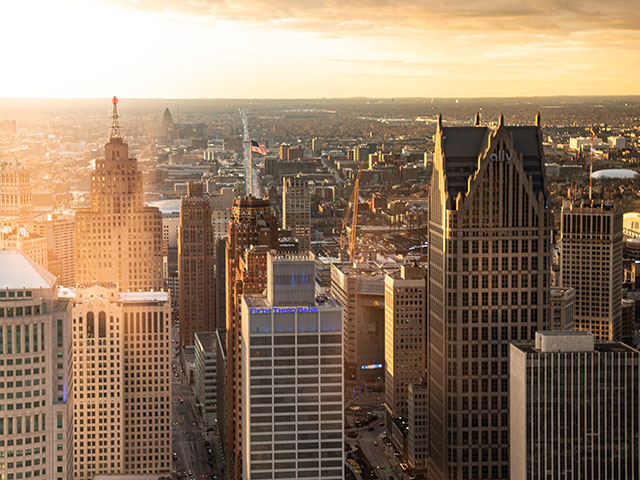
point(189, 433)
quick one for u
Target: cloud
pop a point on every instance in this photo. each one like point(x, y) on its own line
point(366, 16)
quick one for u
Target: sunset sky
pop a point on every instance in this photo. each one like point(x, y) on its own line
point(318, 48)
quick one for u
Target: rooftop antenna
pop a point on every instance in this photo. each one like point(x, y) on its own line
point(115, 126)
point(591, 167)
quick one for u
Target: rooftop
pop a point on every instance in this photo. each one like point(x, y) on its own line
point(18, 271)
point(208, 340)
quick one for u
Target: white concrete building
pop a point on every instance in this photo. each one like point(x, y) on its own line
point(292, 388)
point(36, 383)
point(206, 375)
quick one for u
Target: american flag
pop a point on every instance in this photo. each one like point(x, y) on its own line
point(257, 147)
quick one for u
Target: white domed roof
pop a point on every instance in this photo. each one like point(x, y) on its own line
point(614, 173)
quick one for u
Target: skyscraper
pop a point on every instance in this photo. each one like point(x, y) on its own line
point(118, 238)
point(574, 408)
point(122, 373)
point(60, 233)
point(36, 429)
point(253, 232)
point(196, 265)
point(292, 377)
point(359, 290)
point(489, 254)
point(122, 337)
point(591, 263)
point(15, 192)
point(296, 211)
point(404, 337)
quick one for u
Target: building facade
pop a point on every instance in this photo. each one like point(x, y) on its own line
point(253, 232)
point(591, 263)
point(489, 268)
point(292, 377)
point(574, 408)
point(563, 308)
point(296, 210)
point(196, 265)
point(15, 192)
point(404, 338)
point(418, 431)
point(118, 238)
point(359, 290)
point(36, 386)
point(205, 382)
point(122, 370)
point(121, 326)
point(60, 234)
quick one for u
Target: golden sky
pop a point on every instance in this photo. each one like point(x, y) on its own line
point(318, 48)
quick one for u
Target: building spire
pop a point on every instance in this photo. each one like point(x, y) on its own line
point(115, 126)
point(476, 120)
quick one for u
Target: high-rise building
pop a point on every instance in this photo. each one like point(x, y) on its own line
point(296, 211)
point(25, 241)
point(196, 265)
point(292, 377)
point(489, 264)
point(404, 336)
point(562, 308)
point(205, 379)
point(122, 397)
point(36, 429)
point(167, 124)
point(573, 408)
point(253, 232)
point(591, 263)
point(15, 192)
point(418, 427)
point(121, 326)
point(359, 290)
point(118, 238)
point(60, 233)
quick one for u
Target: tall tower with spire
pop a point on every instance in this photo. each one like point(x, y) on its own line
point(121, 325)
point(118, 238)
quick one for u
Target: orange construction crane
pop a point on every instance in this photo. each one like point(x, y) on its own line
point(354, 219)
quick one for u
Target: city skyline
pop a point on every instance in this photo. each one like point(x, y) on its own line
point(307, 50)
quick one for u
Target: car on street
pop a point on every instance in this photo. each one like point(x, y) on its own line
point(370, 428)
point(381, 424)
point(375, 443)
point(181, 399)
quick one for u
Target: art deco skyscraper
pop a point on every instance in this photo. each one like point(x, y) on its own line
point(489, 254)
point(118, 238)
point(196, 265)
point(296, 211)
point(121, 336)
point(591, 263)
point(253, 232)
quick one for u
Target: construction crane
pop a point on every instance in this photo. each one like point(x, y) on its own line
point(354, 221)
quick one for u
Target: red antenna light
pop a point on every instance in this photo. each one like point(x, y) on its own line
point(115, 100)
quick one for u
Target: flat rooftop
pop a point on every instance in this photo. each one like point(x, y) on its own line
point(208, 340)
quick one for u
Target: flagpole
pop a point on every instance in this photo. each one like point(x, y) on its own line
point(250, 167)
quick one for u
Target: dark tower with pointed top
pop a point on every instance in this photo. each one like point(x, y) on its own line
point(167, 123)
point(489, 254)
point(119, 239)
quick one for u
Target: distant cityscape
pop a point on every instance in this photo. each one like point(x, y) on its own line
point(329, 289)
